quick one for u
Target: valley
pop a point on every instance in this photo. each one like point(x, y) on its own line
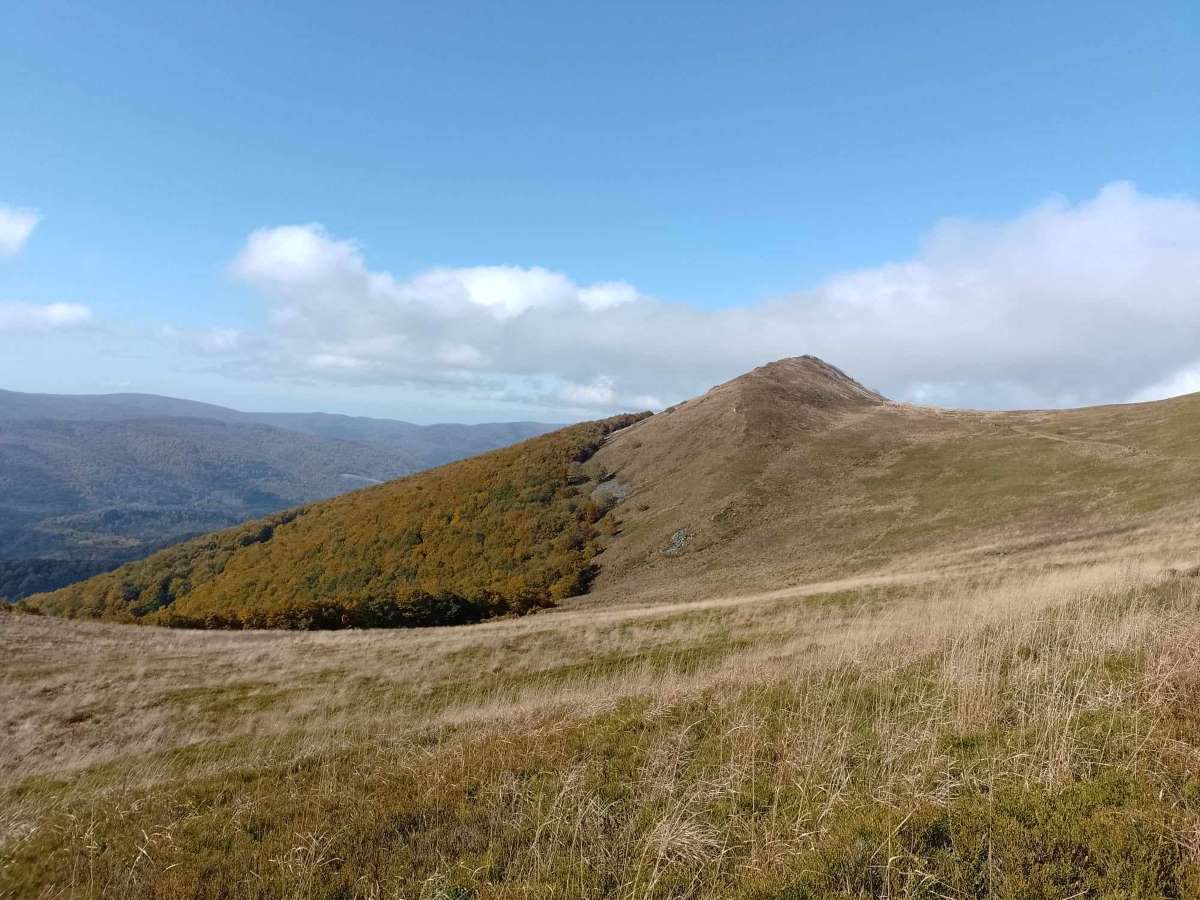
point(88, 482)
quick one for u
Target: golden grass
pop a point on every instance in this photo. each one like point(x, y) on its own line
point(816, 742)
point(971, 668)
point(771, 495)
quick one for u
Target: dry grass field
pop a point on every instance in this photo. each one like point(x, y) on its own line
point(838, 647)
point(1031, 735)
point(786, 476)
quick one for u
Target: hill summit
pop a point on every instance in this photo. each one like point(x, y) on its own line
point(802, 380)
point(787, 396)
point(794, 472)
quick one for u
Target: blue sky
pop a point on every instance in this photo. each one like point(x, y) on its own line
point(718, 161)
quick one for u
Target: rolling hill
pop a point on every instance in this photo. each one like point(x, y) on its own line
point(77, 494)
point(789, 474)
point(795, 473)
point(422, 446)
point(416, 446)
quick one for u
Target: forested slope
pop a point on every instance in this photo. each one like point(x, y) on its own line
point(79, 497)
point(508, 530)
point(88, 482)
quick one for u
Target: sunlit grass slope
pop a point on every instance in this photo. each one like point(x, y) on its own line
point(1034, 737)
point(791, 474)
point(504, 531)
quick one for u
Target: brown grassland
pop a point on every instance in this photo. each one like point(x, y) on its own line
point(1032, 735)
point(895, 653)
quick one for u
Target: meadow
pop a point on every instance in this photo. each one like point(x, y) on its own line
point(1026, 732)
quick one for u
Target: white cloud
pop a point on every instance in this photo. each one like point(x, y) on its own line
point(1184, 381)
point(1063, 304)
point(16, 225)
point(460, 355)
point(294, 255)
point(336, 361)
point(505, 291)
point(219, 340)
point(600, 392)
point(29, 317)
point(607, 295)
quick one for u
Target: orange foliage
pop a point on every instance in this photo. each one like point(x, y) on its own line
point(503, 532)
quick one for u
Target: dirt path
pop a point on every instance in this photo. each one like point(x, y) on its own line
point(810, 589)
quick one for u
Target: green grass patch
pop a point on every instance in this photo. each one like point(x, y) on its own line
point(227, 702)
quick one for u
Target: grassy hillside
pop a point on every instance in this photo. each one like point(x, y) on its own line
point(792, 474)
point(1028, 737)
point(512, 529)
point(840, 648)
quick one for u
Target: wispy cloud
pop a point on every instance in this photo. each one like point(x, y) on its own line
point(31, 317)
point(16, 225)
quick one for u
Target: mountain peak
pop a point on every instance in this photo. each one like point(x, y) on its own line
point(807, 379)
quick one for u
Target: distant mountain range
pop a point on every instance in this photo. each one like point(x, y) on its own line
point(421, 446)
point(90, 481)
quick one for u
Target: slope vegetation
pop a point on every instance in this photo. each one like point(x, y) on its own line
point(1031, 738)
point(91, 481)
point(998, 699)
point(504, 531)
point(795, 473)
point(98, 493)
